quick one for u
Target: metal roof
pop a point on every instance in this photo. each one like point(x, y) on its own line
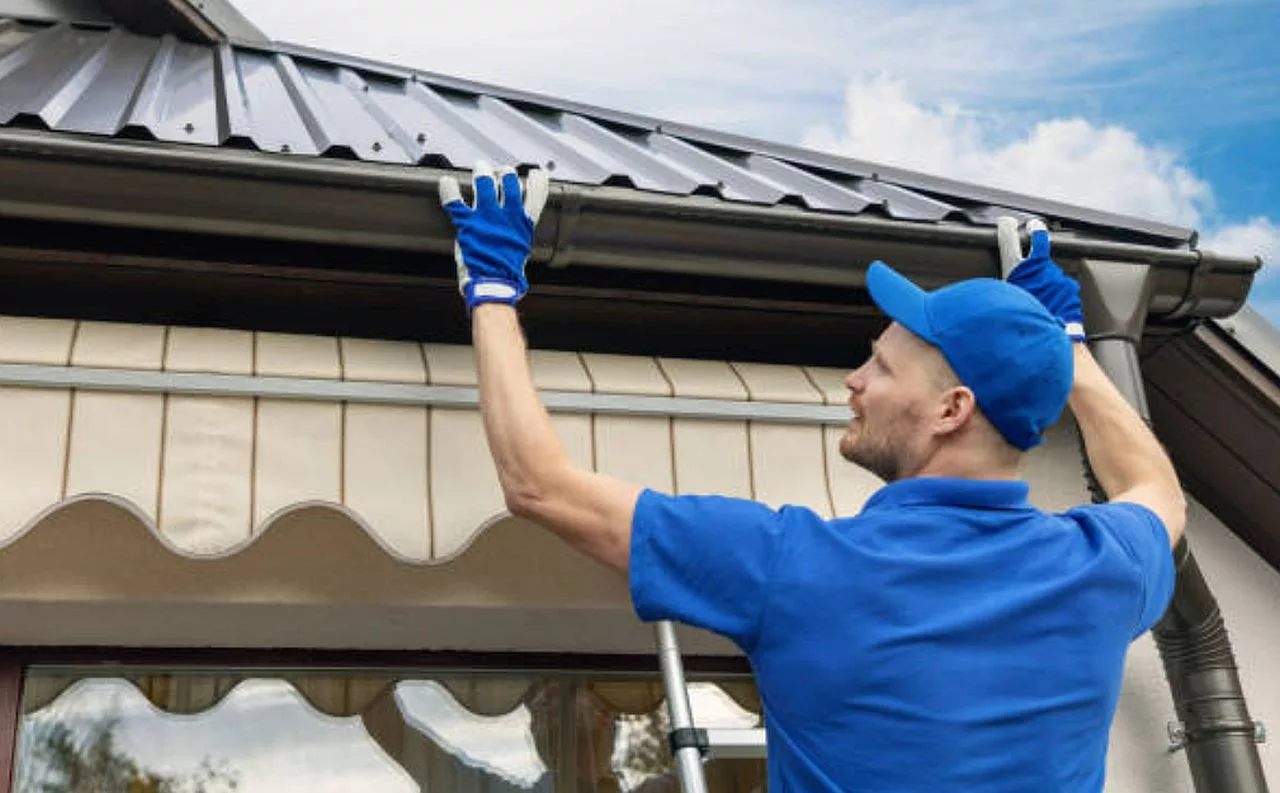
point(103, 80)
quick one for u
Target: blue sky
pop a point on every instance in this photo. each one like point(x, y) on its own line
point(1166, 109)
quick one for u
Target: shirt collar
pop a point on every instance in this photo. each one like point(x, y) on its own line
point(942, 492)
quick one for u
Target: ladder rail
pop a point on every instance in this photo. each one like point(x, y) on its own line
point(688, 759)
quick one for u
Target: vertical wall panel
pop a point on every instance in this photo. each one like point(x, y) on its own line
point(382, 361)
point(205, 493)
point(299, 455)
point(634, 448)
point(115, 447)
point(464, 483)
point(563, 371)
point(625, 374)
point(206, 481)
point(386, 446)
point(450, 364)
point(790, 467)
point(711, 456)
point(830, 382)
point(293, 355)
point(789, 462)
point(119, 345)
point(36, 341)
point(558, 371)
point(299, 444)
point(776, 383)
point(386, 474)
point(209, 350)
point(33, 424)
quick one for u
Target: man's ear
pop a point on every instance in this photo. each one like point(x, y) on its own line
point(956, 407)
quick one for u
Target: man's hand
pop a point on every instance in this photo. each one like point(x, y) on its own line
point(495, 236)
point(1039, 275)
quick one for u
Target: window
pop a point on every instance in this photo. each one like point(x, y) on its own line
point(147, 730)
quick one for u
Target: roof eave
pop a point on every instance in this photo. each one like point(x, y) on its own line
point(52, 176)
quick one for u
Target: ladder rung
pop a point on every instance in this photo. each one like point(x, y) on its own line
point(729, 744)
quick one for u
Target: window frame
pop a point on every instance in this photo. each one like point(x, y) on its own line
point(16, 661)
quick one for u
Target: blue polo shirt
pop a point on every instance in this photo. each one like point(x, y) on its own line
point(950, 637)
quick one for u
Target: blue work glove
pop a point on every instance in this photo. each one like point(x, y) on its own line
point(495, 236)
point(1040, 275)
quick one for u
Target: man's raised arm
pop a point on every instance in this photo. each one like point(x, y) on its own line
point(1128, 461)
point(494, 236)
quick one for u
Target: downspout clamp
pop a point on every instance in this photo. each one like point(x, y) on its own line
point(1214, 725)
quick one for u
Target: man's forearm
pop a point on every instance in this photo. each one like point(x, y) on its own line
point(1122, 450)
point(521, 438)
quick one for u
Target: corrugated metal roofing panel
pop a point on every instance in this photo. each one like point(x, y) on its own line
point(284, 99)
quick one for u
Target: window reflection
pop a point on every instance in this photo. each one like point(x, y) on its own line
point(499, 745)
point(104, 736)
point(145, 731)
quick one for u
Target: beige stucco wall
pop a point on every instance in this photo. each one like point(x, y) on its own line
point(1248, 591)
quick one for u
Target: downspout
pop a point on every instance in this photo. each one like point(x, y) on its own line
point(1214, 725)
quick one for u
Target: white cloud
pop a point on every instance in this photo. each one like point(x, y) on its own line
point(762, 67)
point(1260, 236)
point(1068, 159)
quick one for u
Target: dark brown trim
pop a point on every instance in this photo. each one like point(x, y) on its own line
point(10, 704)
point(250, 659)
point(1218, 413)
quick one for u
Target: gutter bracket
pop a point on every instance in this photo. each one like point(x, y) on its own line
point(1191, 298)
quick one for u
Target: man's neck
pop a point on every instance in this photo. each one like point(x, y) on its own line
point(966, 464)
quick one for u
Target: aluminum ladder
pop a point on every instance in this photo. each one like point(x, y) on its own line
point(690, 746)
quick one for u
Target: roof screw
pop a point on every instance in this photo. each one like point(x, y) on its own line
point(422, 137)
point(189, 128)
point(365, 88)
point(285, 148)
point(377, 146)
point(1177, 735)
point(720, 185)
point(551, 165)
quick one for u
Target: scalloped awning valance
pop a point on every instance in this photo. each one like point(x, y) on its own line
point(182, 475)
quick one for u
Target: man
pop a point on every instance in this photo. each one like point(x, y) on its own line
point(950, 637)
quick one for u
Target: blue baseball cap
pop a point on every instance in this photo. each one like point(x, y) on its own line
point(1006, 347)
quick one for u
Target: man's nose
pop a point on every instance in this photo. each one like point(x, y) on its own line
point(854, 380)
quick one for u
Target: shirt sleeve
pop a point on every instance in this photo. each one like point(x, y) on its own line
point(704, 560)
point(1145, 540)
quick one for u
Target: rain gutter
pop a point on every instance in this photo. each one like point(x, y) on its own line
point(221, 191)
